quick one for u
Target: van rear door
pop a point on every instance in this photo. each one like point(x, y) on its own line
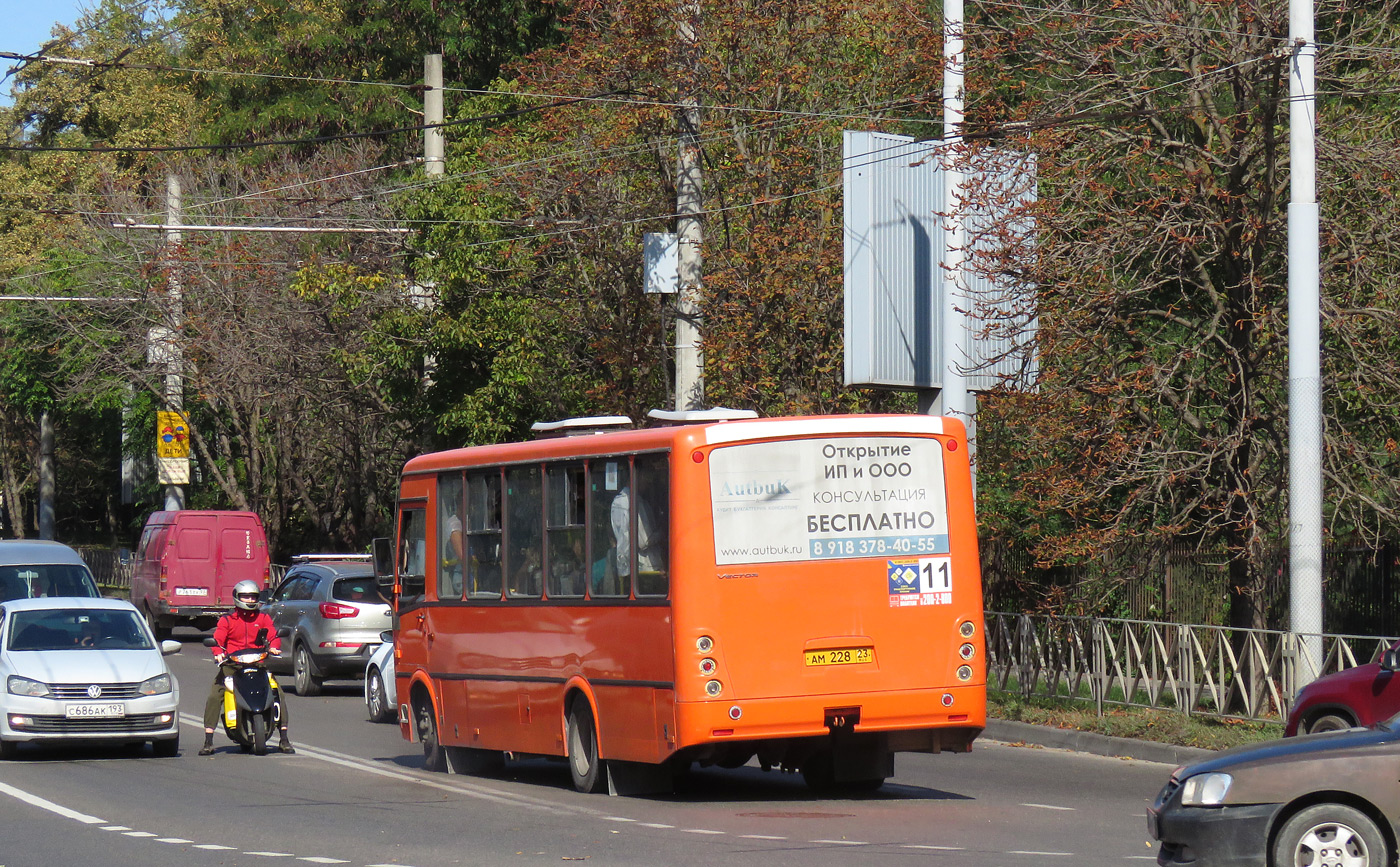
point(242, 553)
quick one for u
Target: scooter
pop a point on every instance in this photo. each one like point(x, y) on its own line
point(252, 709)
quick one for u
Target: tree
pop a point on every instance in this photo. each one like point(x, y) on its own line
point(1161, 257)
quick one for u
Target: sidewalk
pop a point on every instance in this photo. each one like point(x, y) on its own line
point(1008, 732)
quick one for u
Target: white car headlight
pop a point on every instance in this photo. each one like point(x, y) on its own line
point(155, 685)
point(24, 686)
point(1205, 790)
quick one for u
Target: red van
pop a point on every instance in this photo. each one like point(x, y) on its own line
point(188, 561)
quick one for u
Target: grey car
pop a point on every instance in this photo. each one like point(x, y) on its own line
point(1325, 799)
point(329, 611)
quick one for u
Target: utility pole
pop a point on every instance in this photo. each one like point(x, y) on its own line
point(173, 354)
point(434, 142)
point(952, 397)
point(1304, 350)
point(690, 362)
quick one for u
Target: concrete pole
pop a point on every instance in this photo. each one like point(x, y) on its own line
point(690, 362)
point(434, 141)
point(174, 370)
point(952, 398)
point(1304, 349)
point(48, 482)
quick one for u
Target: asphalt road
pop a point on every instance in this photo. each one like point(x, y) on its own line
point(356, 794)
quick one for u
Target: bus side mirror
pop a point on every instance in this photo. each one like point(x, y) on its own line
point(383, 562)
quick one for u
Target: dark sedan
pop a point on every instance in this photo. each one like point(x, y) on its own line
point(1329, 799)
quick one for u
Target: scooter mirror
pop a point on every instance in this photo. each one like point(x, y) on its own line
point(209, 642)
point(262, 637)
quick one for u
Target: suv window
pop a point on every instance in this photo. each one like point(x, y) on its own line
point(357, 590)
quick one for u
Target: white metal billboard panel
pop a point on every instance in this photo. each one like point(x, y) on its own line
point(894, 250)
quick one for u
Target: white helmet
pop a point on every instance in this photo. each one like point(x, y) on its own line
point(245, 595)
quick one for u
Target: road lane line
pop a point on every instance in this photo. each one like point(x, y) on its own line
point(137, 834)
point(1049, 807)
point(317, 859)
point(173, 840)
point(115, 828)
point(842, 842)
point(761, 837)
point(271, 854)
point(460, 787)
point(934, 848)
point(45, 804)
point(701, 831)
point(1056, 854)
point(214, 846)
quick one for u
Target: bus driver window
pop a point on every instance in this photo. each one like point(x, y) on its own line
point(413, 552)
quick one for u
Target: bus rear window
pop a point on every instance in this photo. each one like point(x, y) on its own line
point(814, 499)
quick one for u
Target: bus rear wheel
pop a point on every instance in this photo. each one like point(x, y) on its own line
point(584, 764)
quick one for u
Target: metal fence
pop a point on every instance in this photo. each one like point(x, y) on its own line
point(1209, 670)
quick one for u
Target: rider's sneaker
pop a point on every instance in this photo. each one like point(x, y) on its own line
point(285, 746)
point(206, 750)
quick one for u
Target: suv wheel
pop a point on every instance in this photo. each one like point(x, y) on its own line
point(304, 677)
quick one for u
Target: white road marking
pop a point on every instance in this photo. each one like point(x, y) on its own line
point(934, 848)
point(701, 831)
point(173, 840)
point(842, 842)
point(1057, 854)
point(214, 846)
point(317, 859)
point(138, 834)
point(617, 819)
point(654, 825)
point(1049, 807)
point(115, 828)
point(271, 854)
point(45, 804)
point(761, 837)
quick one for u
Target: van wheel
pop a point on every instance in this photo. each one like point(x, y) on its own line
point(160, 632)
point(584, 764)
point(304, 677)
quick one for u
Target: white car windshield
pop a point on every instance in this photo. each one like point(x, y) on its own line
point(52, 579)
point(77, 630)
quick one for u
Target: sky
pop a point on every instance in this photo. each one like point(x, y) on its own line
point(25, 25)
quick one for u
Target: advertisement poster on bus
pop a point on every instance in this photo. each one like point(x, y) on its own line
point(831, 498)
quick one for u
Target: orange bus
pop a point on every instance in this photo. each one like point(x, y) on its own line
point(803, 591)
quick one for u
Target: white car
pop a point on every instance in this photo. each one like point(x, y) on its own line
point(381, 695)
point(81, 669)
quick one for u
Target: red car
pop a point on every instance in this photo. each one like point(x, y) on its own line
point(1359, 696)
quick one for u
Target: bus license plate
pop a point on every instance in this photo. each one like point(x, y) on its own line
point(109, 710)
point(840, 656)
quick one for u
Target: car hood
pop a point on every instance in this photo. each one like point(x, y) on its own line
point(1325, 745)
point(86, 666)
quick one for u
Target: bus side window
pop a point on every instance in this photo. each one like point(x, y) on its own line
point(524, 539)
point(651, 517)
point(483, 548)
point(449, 536)
point(607, 481)
point(567, 560)
point(413, 553)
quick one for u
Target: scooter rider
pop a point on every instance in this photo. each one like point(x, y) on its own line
point(238, 630)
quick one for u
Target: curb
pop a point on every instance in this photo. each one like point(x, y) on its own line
point(1010, 732)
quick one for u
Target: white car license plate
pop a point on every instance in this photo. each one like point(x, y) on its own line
point(106, 710)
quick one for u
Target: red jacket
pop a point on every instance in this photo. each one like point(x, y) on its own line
point(238, 630)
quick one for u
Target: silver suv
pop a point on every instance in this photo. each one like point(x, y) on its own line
point(329, 611)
